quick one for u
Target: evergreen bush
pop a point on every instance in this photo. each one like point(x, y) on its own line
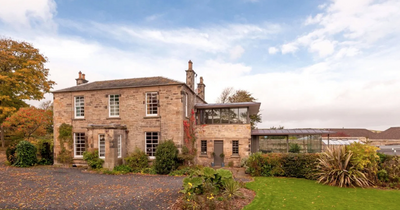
point(45, 148)
point(166, 157)
point(25, 154)
point(137, 161)
point(93, 160)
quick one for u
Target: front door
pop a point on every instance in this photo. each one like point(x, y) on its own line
point(218, 149)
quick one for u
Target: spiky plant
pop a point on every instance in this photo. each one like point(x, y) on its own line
point(335, 169)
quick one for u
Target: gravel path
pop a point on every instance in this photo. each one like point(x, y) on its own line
point(71, 188)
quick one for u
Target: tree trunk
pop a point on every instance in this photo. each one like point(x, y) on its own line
point(2, 137)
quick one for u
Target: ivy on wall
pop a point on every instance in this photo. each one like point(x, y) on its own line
point(65, 137)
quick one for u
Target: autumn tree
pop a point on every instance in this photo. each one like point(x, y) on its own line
point(229, 95)
point(28, 122)
point(23, 76)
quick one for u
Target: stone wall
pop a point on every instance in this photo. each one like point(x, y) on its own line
point(169, 121)
point(227, 133)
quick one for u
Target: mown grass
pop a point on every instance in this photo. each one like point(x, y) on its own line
point(292, 193)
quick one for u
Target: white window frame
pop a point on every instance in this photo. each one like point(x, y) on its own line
point(79, 156)
point(119, 146)
point(102, 157)
point(75, 107)
point(109, 105)
point(145, 142)
point(186, 105)
point(147, 114)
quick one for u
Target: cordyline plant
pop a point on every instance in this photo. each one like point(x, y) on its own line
point(189, 127)
point(335, 169)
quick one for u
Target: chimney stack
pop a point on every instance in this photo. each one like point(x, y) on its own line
point(201, 88)
point(81, 79)
point(190, 74)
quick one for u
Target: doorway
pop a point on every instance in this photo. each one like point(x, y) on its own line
point(218, 150)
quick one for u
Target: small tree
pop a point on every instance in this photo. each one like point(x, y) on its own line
point(28, 122)
point(166, 157)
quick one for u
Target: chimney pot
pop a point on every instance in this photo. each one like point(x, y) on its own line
point(83, 76)
point(80, 75)
point(190, 65)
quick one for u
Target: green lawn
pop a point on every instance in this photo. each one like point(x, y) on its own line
point(292, 193)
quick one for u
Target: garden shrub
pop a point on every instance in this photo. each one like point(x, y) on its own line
point(93, 160)
point(255, 164)
point(392, 168)
point(138, 160)
point(230, 164)
point(300, 165)
point(186, 158)
point(166, 157)
point(25, 154)
point(364, 159)
point(123, 169)
point(64, 156)
point(294, 148)
point(46, 152)
point(10, 153)
point(207, 178)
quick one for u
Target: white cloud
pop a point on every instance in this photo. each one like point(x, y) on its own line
point(323, 47)
point(272, 50)
point(289, 48)
point(236, 52)
point(23, 14)
point(351, 83)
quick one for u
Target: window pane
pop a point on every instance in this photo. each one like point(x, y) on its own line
point(102, 146)
point(114, 105)
point(203, 146)
point(151, 104)
point(79, 106)
point(234, 115)
point(79, 144)
point(208, 116)
point(216, 116)
point(119, 145)
point(151, 143)
point(235, 147)
point(243, 115)
point(225, 116)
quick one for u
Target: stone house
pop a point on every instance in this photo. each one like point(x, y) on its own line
point(117, 116)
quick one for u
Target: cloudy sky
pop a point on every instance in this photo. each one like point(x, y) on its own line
point(311, 63)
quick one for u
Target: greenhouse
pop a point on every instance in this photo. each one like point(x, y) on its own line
point(287, 140)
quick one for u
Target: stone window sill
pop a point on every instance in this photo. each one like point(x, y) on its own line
point(204, 156)
point(79, 119)
point(151, 117)
point(235, 156)
point(113, 118)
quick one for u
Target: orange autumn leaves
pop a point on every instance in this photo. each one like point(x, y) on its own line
point(23, 75)
point(28, 122)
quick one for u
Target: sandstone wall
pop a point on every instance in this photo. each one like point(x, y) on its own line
point(169, 121)
point(227, 133)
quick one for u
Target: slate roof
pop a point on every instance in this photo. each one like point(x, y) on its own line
point(391, 133)
point(278, 132)
point(122, 83)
